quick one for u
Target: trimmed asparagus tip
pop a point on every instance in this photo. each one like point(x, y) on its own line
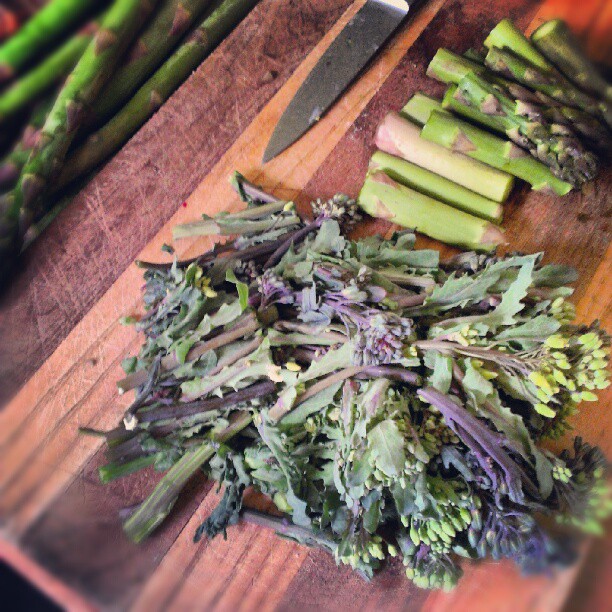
point(398, 136)
point(382, 197)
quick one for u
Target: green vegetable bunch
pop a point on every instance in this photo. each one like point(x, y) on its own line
point(390, 404)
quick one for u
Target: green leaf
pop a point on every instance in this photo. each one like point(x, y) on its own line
point(243, 290)
point(387, 445)
point(442, 366)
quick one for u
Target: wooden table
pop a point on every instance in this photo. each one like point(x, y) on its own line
point(62, 344)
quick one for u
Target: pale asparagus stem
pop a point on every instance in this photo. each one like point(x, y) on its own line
point(248, 326)
point(398, 136)
point(459, 136)
point(151, 512)
point(278, 411)
point(384, 198)
point(436, 186)
point(555, 40)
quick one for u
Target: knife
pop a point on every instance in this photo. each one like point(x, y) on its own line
point(345, 58)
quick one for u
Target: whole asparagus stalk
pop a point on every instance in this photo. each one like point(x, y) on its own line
point(42, 30)
point(111, 137)
point(551, 83)
point(11, 165)
point(153, 45)
point(557, 43)
point(419, 107)
point(436, 186)
point(26, 200)
point(525, 124)
point(49, 72)
point(384, 198)
point(461, 137)
point(398, 136)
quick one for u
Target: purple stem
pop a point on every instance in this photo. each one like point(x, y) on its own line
point(297, 236)
point(183, 410)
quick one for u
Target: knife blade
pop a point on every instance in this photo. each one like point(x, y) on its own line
point(345, 58)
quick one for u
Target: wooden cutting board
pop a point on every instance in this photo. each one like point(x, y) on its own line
point(62, 343)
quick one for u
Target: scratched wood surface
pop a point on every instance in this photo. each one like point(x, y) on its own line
point(62, 343)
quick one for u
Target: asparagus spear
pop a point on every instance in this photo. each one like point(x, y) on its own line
point(459, 136)
point(505, 35)
point(555, 40)
point(525, 124)
point(551, 83)
point(118, 27)
point(454, 101)
point(11, 165)
point(161, 35)
point(106, 141)
point(587, 126)
point(520, 60)
point(451, 68)
point(436, 186)
point(419, 107)
point(40, 79)
point(42, 30)
point(399, 137)
point(382, 197)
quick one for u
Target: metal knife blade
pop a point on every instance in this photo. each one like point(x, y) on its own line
point(345, 58)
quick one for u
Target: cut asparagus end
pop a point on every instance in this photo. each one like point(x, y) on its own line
point(449, 67)
point(419, 107)
point(398, 136)
point(435, 186)
point(505, 35)
point(456, 135)
point(384, 198)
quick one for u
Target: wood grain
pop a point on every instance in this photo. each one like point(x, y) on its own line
point(66, 272)
point(52, 506)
